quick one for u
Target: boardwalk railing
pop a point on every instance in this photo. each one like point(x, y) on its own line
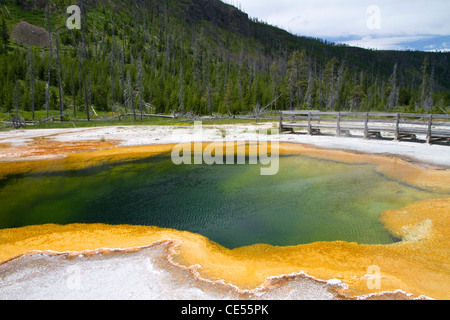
point(371, 125)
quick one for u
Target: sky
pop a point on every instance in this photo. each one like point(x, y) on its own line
point(375, 24)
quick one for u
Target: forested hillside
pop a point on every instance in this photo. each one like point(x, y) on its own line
point(195, 56)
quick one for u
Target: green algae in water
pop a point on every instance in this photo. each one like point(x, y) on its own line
point(309, 200)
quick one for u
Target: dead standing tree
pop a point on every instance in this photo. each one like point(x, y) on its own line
point(81, 58)
point(30, 69)
point(258, 111)
point(50, 64)
point(140, 87)
point(58, 69)
point(129, 96)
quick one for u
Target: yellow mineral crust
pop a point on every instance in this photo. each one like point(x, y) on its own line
point(419, 264)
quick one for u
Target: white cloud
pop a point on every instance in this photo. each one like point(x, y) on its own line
point(443, 47)
point(343, 19)
point(386, 43)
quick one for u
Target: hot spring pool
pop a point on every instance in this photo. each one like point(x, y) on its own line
point(309, 200)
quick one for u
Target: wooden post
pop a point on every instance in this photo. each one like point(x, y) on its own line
point(366, 126)
point(309, 123)
point(281, 122)
point(397, 127)
point(430, 124)
point(338, 125)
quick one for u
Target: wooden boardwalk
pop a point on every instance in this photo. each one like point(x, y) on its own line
point(401, 126)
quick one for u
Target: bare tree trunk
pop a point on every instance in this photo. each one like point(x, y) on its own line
point(50, 60)
point(129, 96)
point(31, 77)
point(16, 99)
point(112, 74)
point(58, 64)
point(86, 98)
point(121, 74)
point(89, 93)
point(209, 99)
point(181, 90)
point(73, 91)
point(140, 86)
point(83, 75)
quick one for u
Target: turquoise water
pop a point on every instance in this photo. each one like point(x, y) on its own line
point(309, 200)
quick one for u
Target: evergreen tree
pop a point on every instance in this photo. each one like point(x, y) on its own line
point(297, 73)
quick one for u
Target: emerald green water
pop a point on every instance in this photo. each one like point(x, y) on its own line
point(309, 200)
